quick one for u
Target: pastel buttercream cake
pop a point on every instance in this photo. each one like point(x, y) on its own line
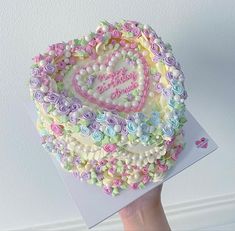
point(111, 106)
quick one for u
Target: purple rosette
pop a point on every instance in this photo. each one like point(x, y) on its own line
point(169, 60)
point(124, 131)
point(90, 80)
point(98, 168)
point(36, 72)
point(73, 117)
point(111, 120)
point(167, 92)
point(89, 115)
point(155, 48)
point(169, 76)
point(121, 122)
point(63, 106)
point(49, 68)
point(35, 82)
point(52, 97)
point(75, 105)
point(85, 176)
point(39, 95)
point(94, 126)
point(158, 56)
point(64, 93)
point(62, 101)
point(77, 160)
point(131, 118)
point(63, 109)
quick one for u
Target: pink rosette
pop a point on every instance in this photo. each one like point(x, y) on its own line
point(92, 42)
point(134, 185)
point(89, 49)
point(57, 129)
point(162, 168)
point(107, 189)
point(127, 26)
point(117, 182)
point(146, 179)
point(136, 31)
point(110, 147)
point(116, 34)
point(145, 170)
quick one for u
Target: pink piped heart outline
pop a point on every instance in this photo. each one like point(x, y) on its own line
point(113, 106)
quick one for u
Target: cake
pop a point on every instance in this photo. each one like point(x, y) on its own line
point(110, 105)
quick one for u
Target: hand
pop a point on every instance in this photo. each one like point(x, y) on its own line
point(145, 213)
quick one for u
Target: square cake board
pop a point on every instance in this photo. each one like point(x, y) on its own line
point(95, 206)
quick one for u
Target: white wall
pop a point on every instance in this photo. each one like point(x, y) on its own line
point(202, 34)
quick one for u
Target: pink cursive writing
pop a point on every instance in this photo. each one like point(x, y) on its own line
point(118, 92)
point(115, 79)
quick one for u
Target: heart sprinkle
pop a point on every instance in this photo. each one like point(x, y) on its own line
point(202, 143)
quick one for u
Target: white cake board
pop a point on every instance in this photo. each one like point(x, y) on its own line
point(95, 206)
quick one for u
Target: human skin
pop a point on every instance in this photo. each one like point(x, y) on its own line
point(145, 213)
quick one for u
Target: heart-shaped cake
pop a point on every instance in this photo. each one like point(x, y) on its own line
point(111, 105)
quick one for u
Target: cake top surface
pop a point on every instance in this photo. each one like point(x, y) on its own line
point(121, 81)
